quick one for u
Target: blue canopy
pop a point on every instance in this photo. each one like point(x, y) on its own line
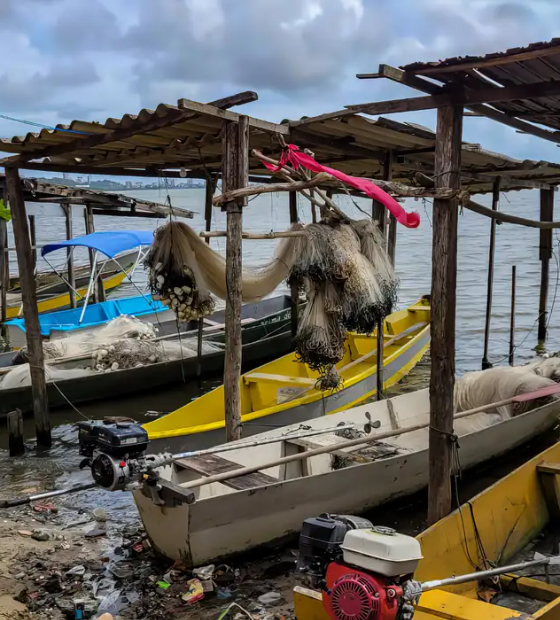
point(108, 243)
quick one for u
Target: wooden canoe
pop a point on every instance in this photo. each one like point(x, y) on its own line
point(242, 513)
point(283, 391)
point(266, 333)
point(54, 296)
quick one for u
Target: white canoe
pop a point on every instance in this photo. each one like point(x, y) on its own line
point(242, 513)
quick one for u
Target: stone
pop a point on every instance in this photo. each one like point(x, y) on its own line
point(95, 531)
point(40, 535)
point(100, 515)
point(270, 598)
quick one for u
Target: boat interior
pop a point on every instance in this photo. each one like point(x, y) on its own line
point(276, 386)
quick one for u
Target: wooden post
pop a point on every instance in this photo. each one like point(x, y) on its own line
point(235, 168)
point(294, 288)
point(30, 310)
point(14, 421)
point(545, 254)
point(512, 317)
point(379, 360)
point(209, 194)
point(70, 256)
point(443, 296)
point(495, 202)
point(392, 234)
point(4, 276)
point(379, 214)
point(98, 289)
point(33, 238)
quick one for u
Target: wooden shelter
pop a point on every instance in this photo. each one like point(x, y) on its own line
point(210, 140)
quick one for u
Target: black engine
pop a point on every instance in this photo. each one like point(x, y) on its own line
point(109, 448)
point(320, 540)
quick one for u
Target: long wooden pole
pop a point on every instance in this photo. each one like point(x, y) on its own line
point(235, 154)
point(70, 256)
point(90, 227)
point(392, 232)
point(4, 277)
point(443, 296)
point(545, 254)
point(512, 316)
point(33, 238)
point(490, 285)
point(294, 288)
point(251, 469)
point(208, 195)
point(30, 309)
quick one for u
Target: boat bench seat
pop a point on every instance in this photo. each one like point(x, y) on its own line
point(212, 464)
point(254, 377)
point(547, 473)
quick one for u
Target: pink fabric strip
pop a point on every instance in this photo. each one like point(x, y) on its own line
point(296, 158)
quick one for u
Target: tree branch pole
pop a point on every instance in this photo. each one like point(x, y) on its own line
point(4, 277)
point(30, 309)
point(495, 202)
point(33, 239)
point(70, 256)
point(545, 254)
point(512, 316)
point(235, 154)
point(392, 234)
point(443, 299)
point(294, 288)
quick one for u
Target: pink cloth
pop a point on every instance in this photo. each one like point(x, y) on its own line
point(296, 158)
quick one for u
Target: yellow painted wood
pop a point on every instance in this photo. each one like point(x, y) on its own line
point(539, 590)
point(549, 612)
point(58, 302)
point(308, 605)
point(440, 604)
point(263, 398)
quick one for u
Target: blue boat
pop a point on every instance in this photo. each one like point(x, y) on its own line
point(63, 322)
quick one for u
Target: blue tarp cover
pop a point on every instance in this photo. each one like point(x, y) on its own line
point(108, 243)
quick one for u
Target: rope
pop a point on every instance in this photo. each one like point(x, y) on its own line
point(49, 127)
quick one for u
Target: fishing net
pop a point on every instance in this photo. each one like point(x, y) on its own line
point(184, 270)
point(20, 375)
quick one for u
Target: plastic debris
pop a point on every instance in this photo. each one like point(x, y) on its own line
point(270, 598)
point(223, 593)
point(206, 576)
point(164, 585)
point(77, 571)
point(194, 593)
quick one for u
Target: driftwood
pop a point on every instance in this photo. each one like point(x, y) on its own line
point(270, 188)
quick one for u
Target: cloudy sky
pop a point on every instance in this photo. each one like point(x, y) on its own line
point(90, 59)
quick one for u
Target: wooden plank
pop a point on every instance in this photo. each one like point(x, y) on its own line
point(490, 282)
point(533, 588)
point(138, 126)
point(545, 254)
point(253, 377)
point(234, 172)
point(481, 63)
point(548, 468)
point(409, 79)
point(443, 296)
point(30, 310)
point(212, 464)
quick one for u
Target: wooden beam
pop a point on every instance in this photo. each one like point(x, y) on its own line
point(235, 153)
point(30, 309)
point(294, 287)
point(307, 137)
point(138, 126)
point(408, 79)
point(70, 256)
point(465, 98)
point(4, 276)
point(207, 109)
point(481, 63)
point(545, 254)
point(490, 283)
point(507, 181)
point(443, 296)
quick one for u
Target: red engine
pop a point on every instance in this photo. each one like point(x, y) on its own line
point(355, 595)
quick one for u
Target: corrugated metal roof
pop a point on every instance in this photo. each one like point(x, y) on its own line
point(533, 64)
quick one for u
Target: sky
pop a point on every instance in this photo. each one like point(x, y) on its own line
point(93, 59)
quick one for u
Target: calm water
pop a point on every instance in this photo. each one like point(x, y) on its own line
point(514, 246)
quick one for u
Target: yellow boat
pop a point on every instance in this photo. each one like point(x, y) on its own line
point(283, 391)
point(513, 522)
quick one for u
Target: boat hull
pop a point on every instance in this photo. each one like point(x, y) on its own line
point(235, 521)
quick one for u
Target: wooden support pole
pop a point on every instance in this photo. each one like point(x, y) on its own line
point(30, 309)
point(512, 316)
point(392, 233)
point(4, 276)
point(379, 214)
point(490, 285)
point(379, 361)
point(33, 238)
point(235, 167)
point(443, 296)
point(14, 420)
point(70, 256)
point(208, 195)
point(294, 288)
point(545, 254)
point(88, 217)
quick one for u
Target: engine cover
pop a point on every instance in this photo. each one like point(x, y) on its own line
point(354, 595)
